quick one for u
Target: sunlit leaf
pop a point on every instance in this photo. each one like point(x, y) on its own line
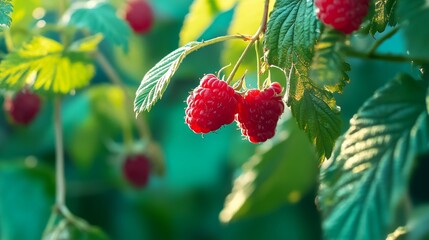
point(44, 65)
point(384, 14)
point(281, 171)
point(413, 16)
point(97, 16)
point(88, 44)
point(292, 33)
point(328, 69)
point(364, 184)
point(157, 78)
point(6, 9)
point(200, 17)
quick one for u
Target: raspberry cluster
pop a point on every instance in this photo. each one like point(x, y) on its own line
point(345, 15)
point(214, 103)
point(23, 107)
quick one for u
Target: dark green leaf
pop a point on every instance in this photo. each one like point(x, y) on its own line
point(157, 78)
point(384, 14)
point(292, 32)
point(281, 171)
point(6, 9)
point(413, 16)
point(44, 65)
point(328, 70)
point(366, 179)
point(99, 17)
point(27, 193)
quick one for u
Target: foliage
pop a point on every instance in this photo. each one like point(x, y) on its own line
point(364, 183)
point(367, 180)
point(98, 17)
point(45, 65)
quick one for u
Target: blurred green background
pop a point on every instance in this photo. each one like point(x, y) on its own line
point(185, 203)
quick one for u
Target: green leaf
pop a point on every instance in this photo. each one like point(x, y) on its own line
point(27, 194)
point(280, 172)
point(413, 16)
point(88, 44)
point(200, 17)
point(6, 9)
point(384, 14)
point(366, 180)
point(44, 65)
point(328, 69)
point(292, 32)
point(98, 16)
point(157, 78)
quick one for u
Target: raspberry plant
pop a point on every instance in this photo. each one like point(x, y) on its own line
point(364, 179)
point(302, 60)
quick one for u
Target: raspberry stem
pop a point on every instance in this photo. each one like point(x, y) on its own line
point(253, 39)
point(59, 155)
point(350, 52)
point(142, 126)
point(382, 39)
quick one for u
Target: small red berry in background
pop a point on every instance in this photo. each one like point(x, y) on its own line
point(136, 169)
point(259, 112)
point(139, 15)
point(211, 105)
point(23, 107)
point(344, 15)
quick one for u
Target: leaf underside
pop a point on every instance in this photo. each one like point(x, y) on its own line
point(157, 78)
point(366, 179)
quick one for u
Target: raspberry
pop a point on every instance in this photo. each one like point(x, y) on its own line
point(139, 16)
point(211, 105)
point(23, 108)
point(259, 111)
point(344, 15)
point(136, 169)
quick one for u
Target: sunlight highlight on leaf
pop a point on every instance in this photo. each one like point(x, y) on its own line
point(364, 184)
point(44, 65)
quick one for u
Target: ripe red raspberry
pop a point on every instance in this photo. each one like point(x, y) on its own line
point(259, 111)
point(211, 105)
point(23, 107)
point(136, 169)
point(139, 15)
point(344, 15)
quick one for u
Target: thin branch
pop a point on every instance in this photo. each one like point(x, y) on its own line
point(59, 155)
point(141, 125)
point(385, 57)
point(382, 39)
point(255, 37)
